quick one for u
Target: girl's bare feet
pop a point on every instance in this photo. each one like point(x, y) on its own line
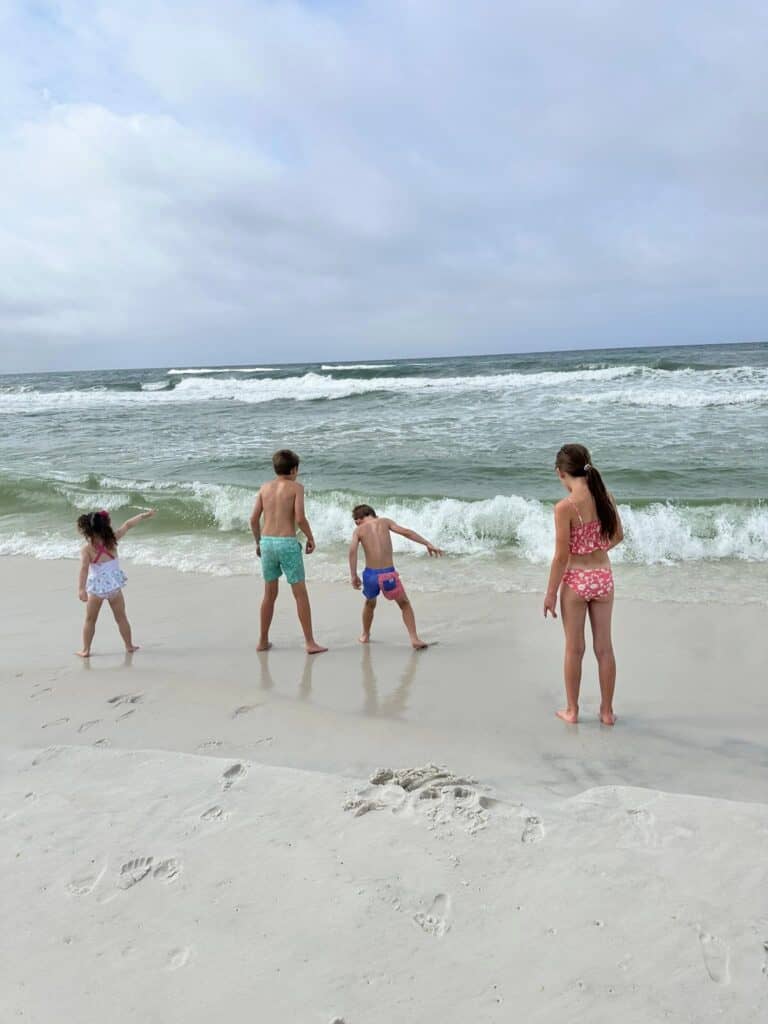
point(418, 644)
point(365, 638)
point(131, 648)
point(569, 715)
point(315, 648)
point(83, 654)
point(607, 717)
point(264, 645)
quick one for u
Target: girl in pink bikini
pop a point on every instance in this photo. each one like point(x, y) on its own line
point(101, 578)
point(587, 526)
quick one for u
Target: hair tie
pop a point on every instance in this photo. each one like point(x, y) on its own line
point(103, 512)
point(587, 466)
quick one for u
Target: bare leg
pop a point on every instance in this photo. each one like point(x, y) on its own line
point(92, 609)
point(305, 618)
point(368, 609)
point(117, 604)
point(573, 612)
point(600, 612)
point(267, 611)
point(410, 624)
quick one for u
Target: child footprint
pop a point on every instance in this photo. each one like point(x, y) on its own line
point(436, 921)
point(533, 831)
point(133, 871)
point(716, 957)
point(167, 870)
point(233, 774)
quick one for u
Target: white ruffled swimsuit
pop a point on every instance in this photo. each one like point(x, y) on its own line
point(105, 578)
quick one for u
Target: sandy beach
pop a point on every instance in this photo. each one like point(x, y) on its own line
point(201, 829)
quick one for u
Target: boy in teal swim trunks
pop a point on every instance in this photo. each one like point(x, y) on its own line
point(379, 575)
point(281, 502)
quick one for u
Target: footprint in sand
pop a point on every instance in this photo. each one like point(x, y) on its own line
point(643, 823)
point(208, 745)
point(233, 774)
point(178, 958)
point(126, 714)
point(167, 870)
point(41, 693)
point(126, 698)
point(47, 755)
point(87, 882)
point(765, 962)
point(533, 832)
point(57, 721)
point(88, 725)
point(133, 871)
point(716, 957)
point(437, 920)
point(244, 709)
point(102, 743)
point(214, 814)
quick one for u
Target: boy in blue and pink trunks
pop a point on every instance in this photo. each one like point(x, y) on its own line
point(380, 576)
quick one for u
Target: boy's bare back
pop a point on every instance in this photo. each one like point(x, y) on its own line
point(375, 536)
point(282, 502)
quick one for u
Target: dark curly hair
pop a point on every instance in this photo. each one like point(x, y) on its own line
point(97, 526)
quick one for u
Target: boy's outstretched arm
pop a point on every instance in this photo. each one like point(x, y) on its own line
point(301, 520)
point(258, 508)
point(412, 535)
point(353, 546)
point(130, 523)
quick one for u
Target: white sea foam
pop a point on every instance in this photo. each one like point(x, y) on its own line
point(640, 386)
point(308, 387)
point(356, 366)
point(155, 385)
point(222, 369)
point(656, 534)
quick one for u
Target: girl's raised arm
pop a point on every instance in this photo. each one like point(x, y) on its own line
point(129, 523)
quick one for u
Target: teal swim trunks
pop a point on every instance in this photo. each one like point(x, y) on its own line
point(282, 555)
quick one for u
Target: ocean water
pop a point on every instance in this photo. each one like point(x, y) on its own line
point(460, 449)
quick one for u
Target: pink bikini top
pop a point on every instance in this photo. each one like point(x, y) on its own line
point(101, 550)
point(586, 537)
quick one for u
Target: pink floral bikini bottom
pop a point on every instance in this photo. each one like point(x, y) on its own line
point(589, 583)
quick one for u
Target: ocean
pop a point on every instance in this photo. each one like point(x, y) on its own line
point(460, 449)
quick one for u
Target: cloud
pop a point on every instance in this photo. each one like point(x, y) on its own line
point(250, 179)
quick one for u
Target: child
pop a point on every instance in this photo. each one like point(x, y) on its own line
point(379, 576)
point(101, 578)
point(281, 502)
point(587, 526)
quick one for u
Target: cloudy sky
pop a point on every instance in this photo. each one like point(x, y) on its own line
point(238, 180)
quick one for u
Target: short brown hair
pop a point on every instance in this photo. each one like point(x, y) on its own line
point(284, 461)
point(361, 511)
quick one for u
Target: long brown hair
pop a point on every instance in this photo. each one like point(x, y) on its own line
point(97, 526)
point(575, 460)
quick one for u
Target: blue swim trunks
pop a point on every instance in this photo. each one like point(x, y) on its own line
point(282, 555)
point(382, 581)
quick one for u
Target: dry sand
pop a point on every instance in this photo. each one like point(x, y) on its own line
point(191, 832)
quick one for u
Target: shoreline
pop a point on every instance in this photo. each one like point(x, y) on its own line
point(688, 697)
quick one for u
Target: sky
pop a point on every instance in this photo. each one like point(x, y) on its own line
point(266, 180)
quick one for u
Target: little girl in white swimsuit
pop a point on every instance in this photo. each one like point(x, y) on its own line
point(587, 526)
point(101, 578)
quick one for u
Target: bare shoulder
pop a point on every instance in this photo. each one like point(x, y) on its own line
point(563, 509)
